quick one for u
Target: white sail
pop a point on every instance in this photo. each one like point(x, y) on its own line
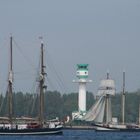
point(107, 83)
point(107, 91)
point(96, 112)
point(106, 87)
point(103, 104)
point(109, 111)
point(100, 117)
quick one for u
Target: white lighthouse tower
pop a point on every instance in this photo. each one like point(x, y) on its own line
point(82, 75)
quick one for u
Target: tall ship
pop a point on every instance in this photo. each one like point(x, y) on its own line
point(34, 126)
point(100, 114)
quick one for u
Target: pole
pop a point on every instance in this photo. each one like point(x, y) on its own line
point(139, 114)
point(107, 102)
point(10, 83)
point(123, 100)
point(41, 97)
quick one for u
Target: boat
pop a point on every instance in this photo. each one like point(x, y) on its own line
point(100, 114)
point(32, 126)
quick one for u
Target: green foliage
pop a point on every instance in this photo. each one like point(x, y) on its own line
point(53, 105)
point(70, 103)
point(116, 106)
point(131, 106)
point(58, 105)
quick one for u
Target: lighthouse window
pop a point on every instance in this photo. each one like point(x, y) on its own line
point(85, 72)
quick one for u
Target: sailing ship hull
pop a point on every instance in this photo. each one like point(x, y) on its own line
point(35, 131)
point(100, 128)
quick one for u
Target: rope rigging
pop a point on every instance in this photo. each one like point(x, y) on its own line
point(57, 76)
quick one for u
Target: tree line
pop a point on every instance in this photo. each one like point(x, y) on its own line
point(58, 105)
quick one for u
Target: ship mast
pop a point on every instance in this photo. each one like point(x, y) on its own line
point(139, 114)
point(42, 86)
point(107, 102)
point(123, 100)
point(10, 82)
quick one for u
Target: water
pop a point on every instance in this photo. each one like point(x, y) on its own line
point(80, 135)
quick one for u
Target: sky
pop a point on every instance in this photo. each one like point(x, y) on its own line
point(102, 33)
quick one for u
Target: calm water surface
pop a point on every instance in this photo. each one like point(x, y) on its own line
point(80, 135)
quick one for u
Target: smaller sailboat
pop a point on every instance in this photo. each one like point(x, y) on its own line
point(38, 127)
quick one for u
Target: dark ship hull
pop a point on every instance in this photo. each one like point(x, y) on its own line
point(34, 131)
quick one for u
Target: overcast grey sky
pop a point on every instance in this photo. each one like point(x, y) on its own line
point(103, 33)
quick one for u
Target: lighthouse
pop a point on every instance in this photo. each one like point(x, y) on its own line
point(82, 75)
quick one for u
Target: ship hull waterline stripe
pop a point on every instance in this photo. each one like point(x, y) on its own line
point(31, 133)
